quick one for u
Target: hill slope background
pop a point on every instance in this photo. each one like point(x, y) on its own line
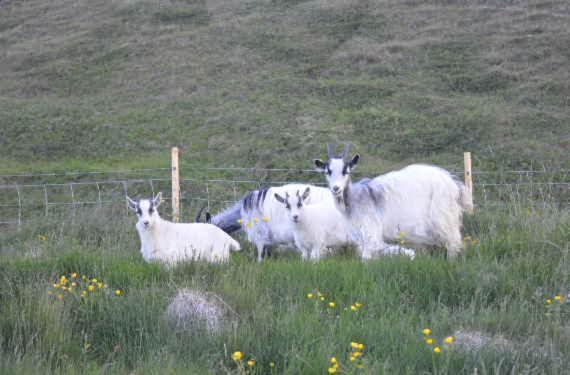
point(267, 83)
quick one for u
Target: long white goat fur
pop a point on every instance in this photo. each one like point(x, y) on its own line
point(421, 203)
point(169, 242)
point(173, 242)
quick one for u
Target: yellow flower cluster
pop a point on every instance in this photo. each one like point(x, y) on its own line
point(555, 299)
point(76, 285)
point(239, 357)
point(355, 357)
point(318, 296)
point(41, 237)
point(255, 220)
point(433, 342)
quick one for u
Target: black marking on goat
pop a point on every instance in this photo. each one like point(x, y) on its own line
point(254, 199)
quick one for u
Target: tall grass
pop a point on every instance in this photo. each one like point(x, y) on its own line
point(498, 288)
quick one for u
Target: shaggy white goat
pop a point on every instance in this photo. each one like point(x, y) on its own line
point(319, 226)
point(169, 242)
point(421, 203)
point(263, 219)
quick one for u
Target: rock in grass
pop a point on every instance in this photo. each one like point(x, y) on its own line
point(192, 310)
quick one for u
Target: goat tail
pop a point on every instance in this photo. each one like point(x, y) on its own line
point(234, 245)
point(465, 198)
point(228, 219)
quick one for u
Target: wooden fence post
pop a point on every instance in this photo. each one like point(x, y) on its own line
point(175, 186)
point(468, 177)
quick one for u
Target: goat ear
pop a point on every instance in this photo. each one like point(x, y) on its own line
point(132, 204)
point(279, 198)
point(208, 217)
point(352, 163)
point(306, 193)
point(157, 200)
point(320, 165)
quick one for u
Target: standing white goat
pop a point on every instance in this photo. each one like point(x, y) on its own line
point(169, 242)
point(318, 226)
point(263, 219)
point(315, 226)
point(422, 203)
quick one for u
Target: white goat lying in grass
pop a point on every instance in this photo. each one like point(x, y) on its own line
point(319, 226)
point(169, 242)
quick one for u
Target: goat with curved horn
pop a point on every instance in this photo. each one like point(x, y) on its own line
point(422, 203)
point(330, 150)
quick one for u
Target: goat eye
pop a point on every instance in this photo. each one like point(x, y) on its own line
point(139, 212)
point(150, 211)
point(299, 205)
point(288, 206)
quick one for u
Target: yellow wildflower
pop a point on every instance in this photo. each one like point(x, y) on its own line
point(84, 278)
point(430, 341)
point(100, 285)
point(42, 237)
point(332, 304)
point(361, 346)
point(352, 358)
point(56, 286)
point(322, 298)
point(119, 292)
point(437, 350)
point(427, 331)
point(237, 356)
point(354, 345)
point(250, 224)
point(334, 360)
point(251, 362)
point(358, 304)
point(74, 275)
point(357, 354)
point(449, 340)
point(91, 288)
point(240, 221)
point(549, 301)
point(332, 370)
point(353, 307)
point(558, 298)
point(94, 280)
point(272, 364)
point(84, 293)
point(310, 295)
point(266, 219)
point(74, 284)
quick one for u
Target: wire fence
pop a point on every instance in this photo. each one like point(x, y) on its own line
point(29, 195)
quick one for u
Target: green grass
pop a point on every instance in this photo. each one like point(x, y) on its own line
point(498, 287)
point(99, 85)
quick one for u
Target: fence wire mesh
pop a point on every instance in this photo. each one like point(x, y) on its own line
point(25, 196)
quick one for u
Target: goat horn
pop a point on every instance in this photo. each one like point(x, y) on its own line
point(346, 150)
point(330, 151)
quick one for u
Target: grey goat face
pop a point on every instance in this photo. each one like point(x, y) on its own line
point(146, 210)
point(337, 172)
point(294, 205)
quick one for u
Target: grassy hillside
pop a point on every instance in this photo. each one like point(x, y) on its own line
point(97, 83)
